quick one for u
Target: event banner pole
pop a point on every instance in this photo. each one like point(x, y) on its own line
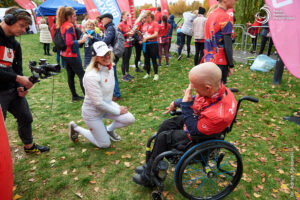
point(6, 168)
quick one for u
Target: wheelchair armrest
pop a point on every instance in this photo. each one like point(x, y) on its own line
point(201, 138)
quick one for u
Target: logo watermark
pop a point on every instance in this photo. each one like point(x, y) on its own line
point(264, 13)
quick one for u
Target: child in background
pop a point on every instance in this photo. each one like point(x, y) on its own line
point(92, 37)
point(45, 37)
point(178, 41)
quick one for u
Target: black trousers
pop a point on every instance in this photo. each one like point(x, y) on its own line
point(125, 60)
point(199, 52)
point(254, 41)
point(170, 135)
point(263, 44)
point(46, 48)
point(19, 108)
point(188, 44)
point(151, 53)
point(138, 52)
point(225, 70)
point(74, 66)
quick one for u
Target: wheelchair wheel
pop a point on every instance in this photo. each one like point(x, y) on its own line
point(210, 170)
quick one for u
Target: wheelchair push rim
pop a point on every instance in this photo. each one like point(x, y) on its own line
point(209, 171)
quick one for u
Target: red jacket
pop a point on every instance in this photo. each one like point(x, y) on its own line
point(209, 115)
point(163, 33)
point(149, 29)
point(125, 28)
point(69, 34)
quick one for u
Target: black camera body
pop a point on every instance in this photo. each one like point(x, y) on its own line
point(43, 70)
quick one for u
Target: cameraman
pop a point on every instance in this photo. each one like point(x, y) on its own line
point(12, 81)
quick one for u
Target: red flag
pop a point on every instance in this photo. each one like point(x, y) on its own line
point(26, 4)
point(91, 9)
point(6, 168)
point(164, 7)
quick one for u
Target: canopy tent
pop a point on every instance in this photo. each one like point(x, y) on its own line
point(49, 7)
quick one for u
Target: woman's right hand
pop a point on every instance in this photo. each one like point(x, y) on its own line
point(123, 110)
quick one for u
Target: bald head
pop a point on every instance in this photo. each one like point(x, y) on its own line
point(206, 76)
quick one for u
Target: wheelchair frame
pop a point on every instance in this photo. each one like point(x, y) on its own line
point(184, 157)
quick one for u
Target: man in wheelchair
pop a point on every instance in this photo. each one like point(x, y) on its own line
point(205, 115)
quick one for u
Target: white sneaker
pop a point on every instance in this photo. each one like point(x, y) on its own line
point(73, 135)
point(156, 77)
point(146, 76)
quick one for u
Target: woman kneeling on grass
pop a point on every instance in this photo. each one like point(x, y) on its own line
point(99, 85)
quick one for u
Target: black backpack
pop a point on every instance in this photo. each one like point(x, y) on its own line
point(119, 42)
point(59, 41)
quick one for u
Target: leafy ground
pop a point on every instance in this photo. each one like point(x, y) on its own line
point(269, 145)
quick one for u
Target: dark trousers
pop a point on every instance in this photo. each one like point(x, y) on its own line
point(74, 66)
point(117, 92)
point(46, 49)
point(225, 70)
point(18, 107)
point(188, 44)
point(151, 53)
point(161, 47)
point(125, 60)
point(170, 135)
point(199, 52)
point(254, 41)
point(138, 52)
point(263, 44)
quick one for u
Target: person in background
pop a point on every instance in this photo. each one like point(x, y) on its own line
point(158, 15)
point(218, 38)
point(58, 56)
point(198, 32)
point(173, 26)
point(265, 36)
point(125, 29)
point(178, 40)
point(254, 31)
point(163, 41)
point(186, 32)
point(13, 85)
point(100, 25)
point(66, 18)
point(99, 86)
point(86, 17)
point(109, 38)
point(45, 37)
point(92, 37)
point(150, 46)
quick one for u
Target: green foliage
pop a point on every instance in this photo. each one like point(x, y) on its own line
point(70, 170)
point(245, 11)
point(7, 3)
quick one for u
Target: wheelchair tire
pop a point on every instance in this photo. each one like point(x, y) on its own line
point(209, 170)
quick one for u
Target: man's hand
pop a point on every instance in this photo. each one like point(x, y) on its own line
point(230, 72)
point(188, 94)
point(23, 80)
point(21, 92)
point(123, 110)
point(170, 108)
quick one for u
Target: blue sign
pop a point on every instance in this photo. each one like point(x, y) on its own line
point(109, 6)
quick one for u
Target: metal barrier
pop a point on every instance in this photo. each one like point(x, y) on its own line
point(241, 27)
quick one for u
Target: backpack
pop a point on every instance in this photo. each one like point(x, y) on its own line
point(119, 43)
point(59, 41)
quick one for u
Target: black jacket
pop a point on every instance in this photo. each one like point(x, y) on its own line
point(110, 33)
point(9, 68)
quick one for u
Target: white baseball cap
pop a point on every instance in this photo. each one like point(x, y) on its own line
point(100, 48)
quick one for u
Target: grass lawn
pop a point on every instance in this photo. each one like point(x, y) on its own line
point(268, 144)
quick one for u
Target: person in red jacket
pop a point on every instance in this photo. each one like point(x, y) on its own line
point(125, 28)
point(158, 15)
point(205, 115)
point(163, 40)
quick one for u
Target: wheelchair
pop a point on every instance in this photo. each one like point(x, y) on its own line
point(206, 169)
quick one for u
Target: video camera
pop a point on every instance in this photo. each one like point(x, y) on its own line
point(44, 70)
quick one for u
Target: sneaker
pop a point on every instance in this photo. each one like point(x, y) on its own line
point(140, 169)
point(129, 76)
point(179, 57)
point(125, 78)
point(113, 136)
point(138, 70)
point(77, 98)
point(37, 149)
point(141, 179)
point(73, 135)
point(156, 77)
point(146, 76)
point(167, 64)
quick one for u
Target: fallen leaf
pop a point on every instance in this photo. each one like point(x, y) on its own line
point(274, 190)
point(76, 178)
point(128, 156)
point(117, 162)
point(83, 150)
point(63, 158)
point(114, 189)
point(274, 196)
point(65, 172)
point(109, 153)
point(14, 188)
point(93, 181)
point(74, 170)
point(256, 195)
point(31, 180)
point(52, 161)
point(96, 189)
point(32, 162)
point(280, 171)
point(284, 188)
point(262, 159)
point(247, 195)
point(17, 197)
point(103, 171)
point(127, 164)
point(79, 195)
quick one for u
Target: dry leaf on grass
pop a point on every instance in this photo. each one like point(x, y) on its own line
point(127, 164)
point(96, 189)
point(79, 195)
point(17, 197)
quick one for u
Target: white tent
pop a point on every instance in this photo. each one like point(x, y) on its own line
point(31, 27)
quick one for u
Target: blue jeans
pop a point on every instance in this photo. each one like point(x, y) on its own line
point(117, 92)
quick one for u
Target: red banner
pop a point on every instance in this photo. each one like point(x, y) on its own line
point(91, 9)
point(164, 7)
point(26, 4)
point(6, 168)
